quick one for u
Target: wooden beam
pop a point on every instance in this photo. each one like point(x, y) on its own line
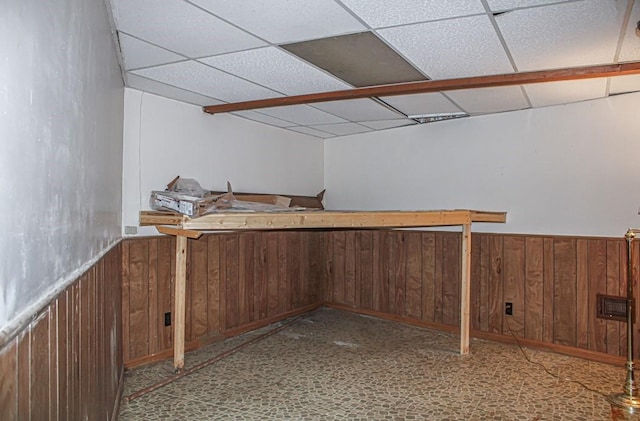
point(508, 79)
point(465, 296)
point(179, 303)
point(327, 220)
point(160, 218)
point(178, 232)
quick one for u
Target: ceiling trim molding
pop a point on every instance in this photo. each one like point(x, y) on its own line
point(408, 88)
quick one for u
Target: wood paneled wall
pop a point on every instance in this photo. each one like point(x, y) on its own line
point(234, 280)
point(67, 364)
point(551, 281)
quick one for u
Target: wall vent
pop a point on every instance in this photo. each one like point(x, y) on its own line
point(612, 308)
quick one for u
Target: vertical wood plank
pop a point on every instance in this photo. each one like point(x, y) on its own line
point(84, 396)
point(272, 273)
point(9, 383)
point(63, 354)
point(357, 268)
point(414, 275)
point(318, 278)
point(496, 306)
point(365, 272)
point(451, 278)
point(329, 271)
point(247, 291)
point(476, 281)
point(74, 351)
point(198, 279)
point(399, 273)
point(613, 288)
point(126, 287)
point(179, 296)
point(339, 266)
point(582, 294)
point(52, 354)
point(350, 268)
point(165, 249)
point(152, 285)
point(138, 299)
point(39, 369)
point(565, 291)
point(24, 375)
point(438, 279)
point(284, 284)
point(222, 262)
point(534, 288)
point(231, 280)
point(387, 284)
point(304, 257)
point(213, 284)
point(548, 290)
point(465, 288)
point(623, 293)
point(428, 257)
point(376, 279)
point(294, 245)
point(514, 280)
point(261, 304)
point(485, 285)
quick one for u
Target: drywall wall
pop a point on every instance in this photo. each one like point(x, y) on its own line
point(571, 169)
point(61, 102)
point(164, 138)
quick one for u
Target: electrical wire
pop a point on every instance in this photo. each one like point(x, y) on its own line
point(546, 370)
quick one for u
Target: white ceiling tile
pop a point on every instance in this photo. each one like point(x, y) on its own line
point(357, 110)
point(503, 5)
point(623, 84)
point(151, 86)
point(343, 129)
point(631, 44)
point(381, 13)
point(198, 77)
point(552, 93)
point(387, 124)
point(419, 104)
point(311, 132)
point(275, 69)
point(452, 48)
point(263, 118)
point(137, 53)
point(302, 115)
point(563, 35)
point(281, 21)
point(180, 27)
point(489, 100)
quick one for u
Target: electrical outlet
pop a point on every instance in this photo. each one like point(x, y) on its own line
point(130, 230)
point(167, 319)
point(508, 309)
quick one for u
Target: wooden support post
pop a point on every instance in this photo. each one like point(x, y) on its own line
point(465, 295)
point(179, 302)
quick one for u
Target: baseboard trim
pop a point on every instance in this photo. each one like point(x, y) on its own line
point(116, 404)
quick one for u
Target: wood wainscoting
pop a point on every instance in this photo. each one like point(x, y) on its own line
point(67, 363)
point(552, 282)
point(235, 282)
point(241, 280)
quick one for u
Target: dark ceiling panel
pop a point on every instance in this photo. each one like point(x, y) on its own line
point(360, 59)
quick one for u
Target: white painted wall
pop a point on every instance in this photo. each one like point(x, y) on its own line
point(572, 169)
point(164, 138)
point(61, 96)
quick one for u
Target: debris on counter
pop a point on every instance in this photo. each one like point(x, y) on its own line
point(187, 197)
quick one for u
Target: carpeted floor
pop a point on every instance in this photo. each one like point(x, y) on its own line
point(333, 365)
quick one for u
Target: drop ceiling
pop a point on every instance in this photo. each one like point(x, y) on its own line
point(210, 52)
